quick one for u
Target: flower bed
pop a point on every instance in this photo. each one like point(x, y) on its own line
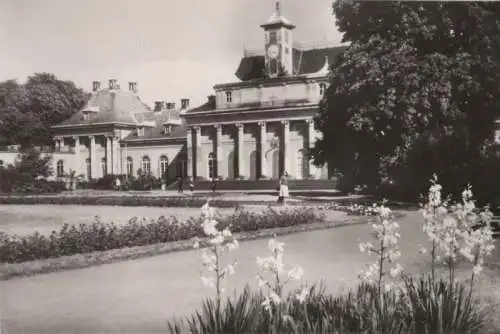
point(99, 236)
point(181, 201)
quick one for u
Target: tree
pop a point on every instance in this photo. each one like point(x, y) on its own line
point(28, 111)
point(416, 92)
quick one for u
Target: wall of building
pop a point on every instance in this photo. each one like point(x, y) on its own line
point(138, 152)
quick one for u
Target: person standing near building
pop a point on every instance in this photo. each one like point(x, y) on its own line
point(118, 184)
point(283, 194)
point(191, 184)
point(180, 185)
point(214, 184)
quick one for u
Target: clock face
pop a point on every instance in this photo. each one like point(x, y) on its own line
point(273, 51)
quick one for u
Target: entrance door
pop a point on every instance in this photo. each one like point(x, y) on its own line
point(230, 165)
point(253, 165)
point(276, 164)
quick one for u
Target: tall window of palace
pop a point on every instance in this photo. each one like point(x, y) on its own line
point(130, 166)
point(88, 167)
point(60, 168)
point(229, 96)
point(103, 166)
point(146, 165)
point(212, 165)
point(300, 164)
point(322, 88)
point(163, 165)
point(181, 167)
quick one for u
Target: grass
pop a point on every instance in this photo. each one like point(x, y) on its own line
point(30, 268)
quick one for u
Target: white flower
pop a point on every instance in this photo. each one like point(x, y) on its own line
point(296, 273)
point(477, 269)
point(387, 287)
point(226, 232)
point(209, 227)
point(302, 295)
point(396, 270)
point(233, 245)
point(274, 298)
point(208, 281)
point(260, 282)
point(230, 269)
point(196, 242)
point(275, 245)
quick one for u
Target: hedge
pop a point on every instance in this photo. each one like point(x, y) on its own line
point(99, 236)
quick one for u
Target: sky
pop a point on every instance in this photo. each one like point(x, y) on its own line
point(173, 49)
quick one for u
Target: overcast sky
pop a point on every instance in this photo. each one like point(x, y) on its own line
point(172, 48)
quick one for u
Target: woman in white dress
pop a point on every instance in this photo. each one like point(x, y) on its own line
point(283, 196)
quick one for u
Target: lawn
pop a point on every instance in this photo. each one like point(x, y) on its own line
point(138, 296)
point(25, 219)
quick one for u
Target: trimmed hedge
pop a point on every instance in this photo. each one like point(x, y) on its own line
point(181, 201)
point(99, 236)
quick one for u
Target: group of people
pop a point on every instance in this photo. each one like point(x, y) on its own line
point(283, 186)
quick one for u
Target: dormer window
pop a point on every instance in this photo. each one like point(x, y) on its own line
point(167, 130)
point(85, 116)
point(322, 88)
point(140, 132)
point(229, 96)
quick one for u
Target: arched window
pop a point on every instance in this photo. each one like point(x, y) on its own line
point(146, 165)
point(163, 165)
point(60, 168)
point(103, 166)
point(212, 166)
point(130, 166)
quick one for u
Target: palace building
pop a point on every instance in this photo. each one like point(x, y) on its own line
point(255, 128)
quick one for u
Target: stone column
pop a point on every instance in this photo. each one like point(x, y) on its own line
point(189, 149)
point(218, 153)
point(115, 155)
point(57, 144)
point(78, 163)
point(286, 136)
point(310, 144)
point(61, 144)
point(263, 149)
point(109, 155)
point(93, 163)
point(123, 160)
point(199, 158)
point(240, 128)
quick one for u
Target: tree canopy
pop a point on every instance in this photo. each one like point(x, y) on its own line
point(27, 111)
point(416, 92)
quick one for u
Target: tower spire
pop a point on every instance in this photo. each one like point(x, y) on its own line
point(278, 9)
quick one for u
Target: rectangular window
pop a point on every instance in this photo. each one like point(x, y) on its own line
point(229, 96)
point(272, 37)
point(140, 132)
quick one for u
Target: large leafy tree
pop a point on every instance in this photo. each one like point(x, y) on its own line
point(416, 92)
point(28, 111)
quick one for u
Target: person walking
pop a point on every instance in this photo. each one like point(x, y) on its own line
point(283, 194)
point(180, 185)
point(118, 184)
point(191, 184)
point(214, 184)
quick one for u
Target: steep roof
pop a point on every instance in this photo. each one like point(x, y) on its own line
point(159, 119)
point(110, 106)
point(305, 62)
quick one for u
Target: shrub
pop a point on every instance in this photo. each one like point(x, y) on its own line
point(99, 236)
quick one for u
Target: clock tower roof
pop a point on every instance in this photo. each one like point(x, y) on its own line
point(277, 20)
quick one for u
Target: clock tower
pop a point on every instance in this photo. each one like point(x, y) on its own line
point(278, 44)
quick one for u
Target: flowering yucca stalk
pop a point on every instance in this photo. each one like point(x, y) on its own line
point(218, 242)
point(274, 265)
point(434, 212)
point(386, 232)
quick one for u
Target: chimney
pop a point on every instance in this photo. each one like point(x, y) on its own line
point(132, 86)
point(158, 105)
point(112, 84)
point(211, 100)
point(168, 105)
point(96, 85)
point(184, 104)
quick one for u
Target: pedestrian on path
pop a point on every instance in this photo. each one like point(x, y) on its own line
point(214, 184)
point(191, 184)
point(283, 193)
point(180, 185)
